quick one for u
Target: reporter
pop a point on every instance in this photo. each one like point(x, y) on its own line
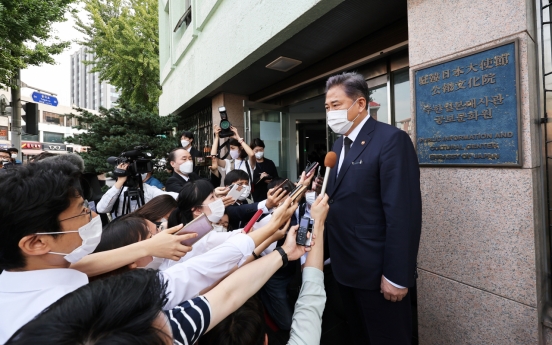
point(110, 311)
point(112, 201)
point(242, 156)
point(264, 167)
point(158, 209)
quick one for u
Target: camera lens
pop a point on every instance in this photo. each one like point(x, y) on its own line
point(225, 124)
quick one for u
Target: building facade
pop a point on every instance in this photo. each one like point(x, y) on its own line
point(484, 262)
point(87, 91)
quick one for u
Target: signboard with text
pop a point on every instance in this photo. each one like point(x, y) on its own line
point(467, 110)
point(54, 147)
point(3, 133)
point(44, 99)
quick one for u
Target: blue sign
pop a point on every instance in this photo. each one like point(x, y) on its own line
point(44, 99)
point(467, 110)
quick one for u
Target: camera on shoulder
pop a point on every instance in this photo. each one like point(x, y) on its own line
point(139, 162)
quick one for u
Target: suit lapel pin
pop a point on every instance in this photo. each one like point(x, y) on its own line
point(363, 142)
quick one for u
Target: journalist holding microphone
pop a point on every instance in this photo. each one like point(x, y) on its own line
point(374, 221)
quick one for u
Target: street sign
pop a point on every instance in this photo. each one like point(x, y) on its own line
point(45, 99)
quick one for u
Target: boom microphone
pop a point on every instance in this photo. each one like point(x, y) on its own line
point(329, 163)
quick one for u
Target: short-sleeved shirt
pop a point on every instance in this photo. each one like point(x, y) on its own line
point(238, 165)
point(189, 320)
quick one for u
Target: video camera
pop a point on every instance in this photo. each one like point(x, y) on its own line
point(224, 124)
point(139, 162)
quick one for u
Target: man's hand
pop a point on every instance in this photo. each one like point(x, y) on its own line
point(319, 209)
point(390, 292)
point(274, 197)
point(221, 191)
point(167, 245)
point(228, 200)
point(121, 179)
point(284, 212)
point(292, 249)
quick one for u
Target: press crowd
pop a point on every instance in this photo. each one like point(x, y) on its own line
point(135, 277)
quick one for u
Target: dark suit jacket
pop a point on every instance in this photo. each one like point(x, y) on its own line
point(175, 183)
point(375, 216)
point(240, 215)
point(195, 153)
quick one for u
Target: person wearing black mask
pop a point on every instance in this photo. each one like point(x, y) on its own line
point(265, 171)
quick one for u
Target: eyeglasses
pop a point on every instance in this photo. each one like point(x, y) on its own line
point(88, 212)
point(159, 227)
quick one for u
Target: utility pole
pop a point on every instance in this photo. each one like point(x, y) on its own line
point(16, 114)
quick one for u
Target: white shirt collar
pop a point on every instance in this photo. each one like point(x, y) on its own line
point(354, 134)
point(186, 178)
point(189, 148)
point(40, 279)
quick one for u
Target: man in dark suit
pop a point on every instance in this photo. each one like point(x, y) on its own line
point(187, 139)
point(182, 163)
point(374, 221)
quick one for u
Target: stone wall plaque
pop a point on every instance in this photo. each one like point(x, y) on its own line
point(468, 110)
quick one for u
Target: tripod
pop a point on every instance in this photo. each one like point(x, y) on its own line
point(134, 192)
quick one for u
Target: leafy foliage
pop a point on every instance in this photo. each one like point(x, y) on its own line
point(124, 37)
point(26, 35)
point(120, 129)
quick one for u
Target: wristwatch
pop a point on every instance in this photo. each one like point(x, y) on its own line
point(283, 254)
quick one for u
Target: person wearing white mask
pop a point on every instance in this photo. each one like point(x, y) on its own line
point(150, 180)
point(113, 200)
point(187, 140)
point(241, 155)
point(182, 164)
point(265, 170)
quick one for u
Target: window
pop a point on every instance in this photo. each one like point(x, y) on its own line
point(50, 137)
point(401, 100)
point(379, 99)
point(52, 118)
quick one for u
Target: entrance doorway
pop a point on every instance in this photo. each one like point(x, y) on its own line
point(311, 142)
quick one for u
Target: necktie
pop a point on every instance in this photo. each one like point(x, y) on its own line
point(347, 145)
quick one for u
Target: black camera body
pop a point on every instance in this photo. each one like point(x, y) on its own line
point(224, 124)
point(305, 226)
point(139, 162)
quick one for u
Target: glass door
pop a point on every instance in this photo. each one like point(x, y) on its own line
point(266, 121)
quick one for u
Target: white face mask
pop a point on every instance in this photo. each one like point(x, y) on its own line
point(217, 210)
point(184, 143)
point(310, 197)
point(245, 192)
point(259, 155)
point(14, 155)
point(338, 122)
point(91, 234)
point(235, 154)
point(144, 176)
point(154, 264)
point(187, 167)
point(219, 228)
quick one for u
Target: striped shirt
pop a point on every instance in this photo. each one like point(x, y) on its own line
point(189, 320)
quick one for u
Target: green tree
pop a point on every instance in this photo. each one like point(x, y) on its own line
point(120, 129)
point(123, 35)
point(26, 35)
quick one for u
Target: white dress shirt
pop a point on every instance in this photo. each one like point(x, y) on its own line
point(108, 199)
point(23, 295)
point(186, 178)
point(205, 244)
point(187, 279)
point(353, 135)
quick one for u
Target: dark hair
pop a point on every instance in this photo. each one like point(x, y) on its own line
point(353, 84)
point(31, 199)
point(191, 196)
point(157, 208)
point(257, 142)
point(13, 149)
point(187, 134)
point(42, 155)
point(5, 151)
point(121, 232)
point(172, 154)
point(119, 310)
point(234, 142)
point(235, 175)
point(245, 326)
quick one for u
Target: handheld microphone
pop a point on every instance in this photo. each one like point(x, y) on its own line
point(329, 163)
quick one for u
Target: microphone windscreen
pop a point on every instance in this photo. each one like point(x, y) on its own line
point(330, 160)
point(68, 157)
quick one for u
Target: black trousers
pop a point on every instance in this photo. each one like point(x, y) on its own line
point(374, 320)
